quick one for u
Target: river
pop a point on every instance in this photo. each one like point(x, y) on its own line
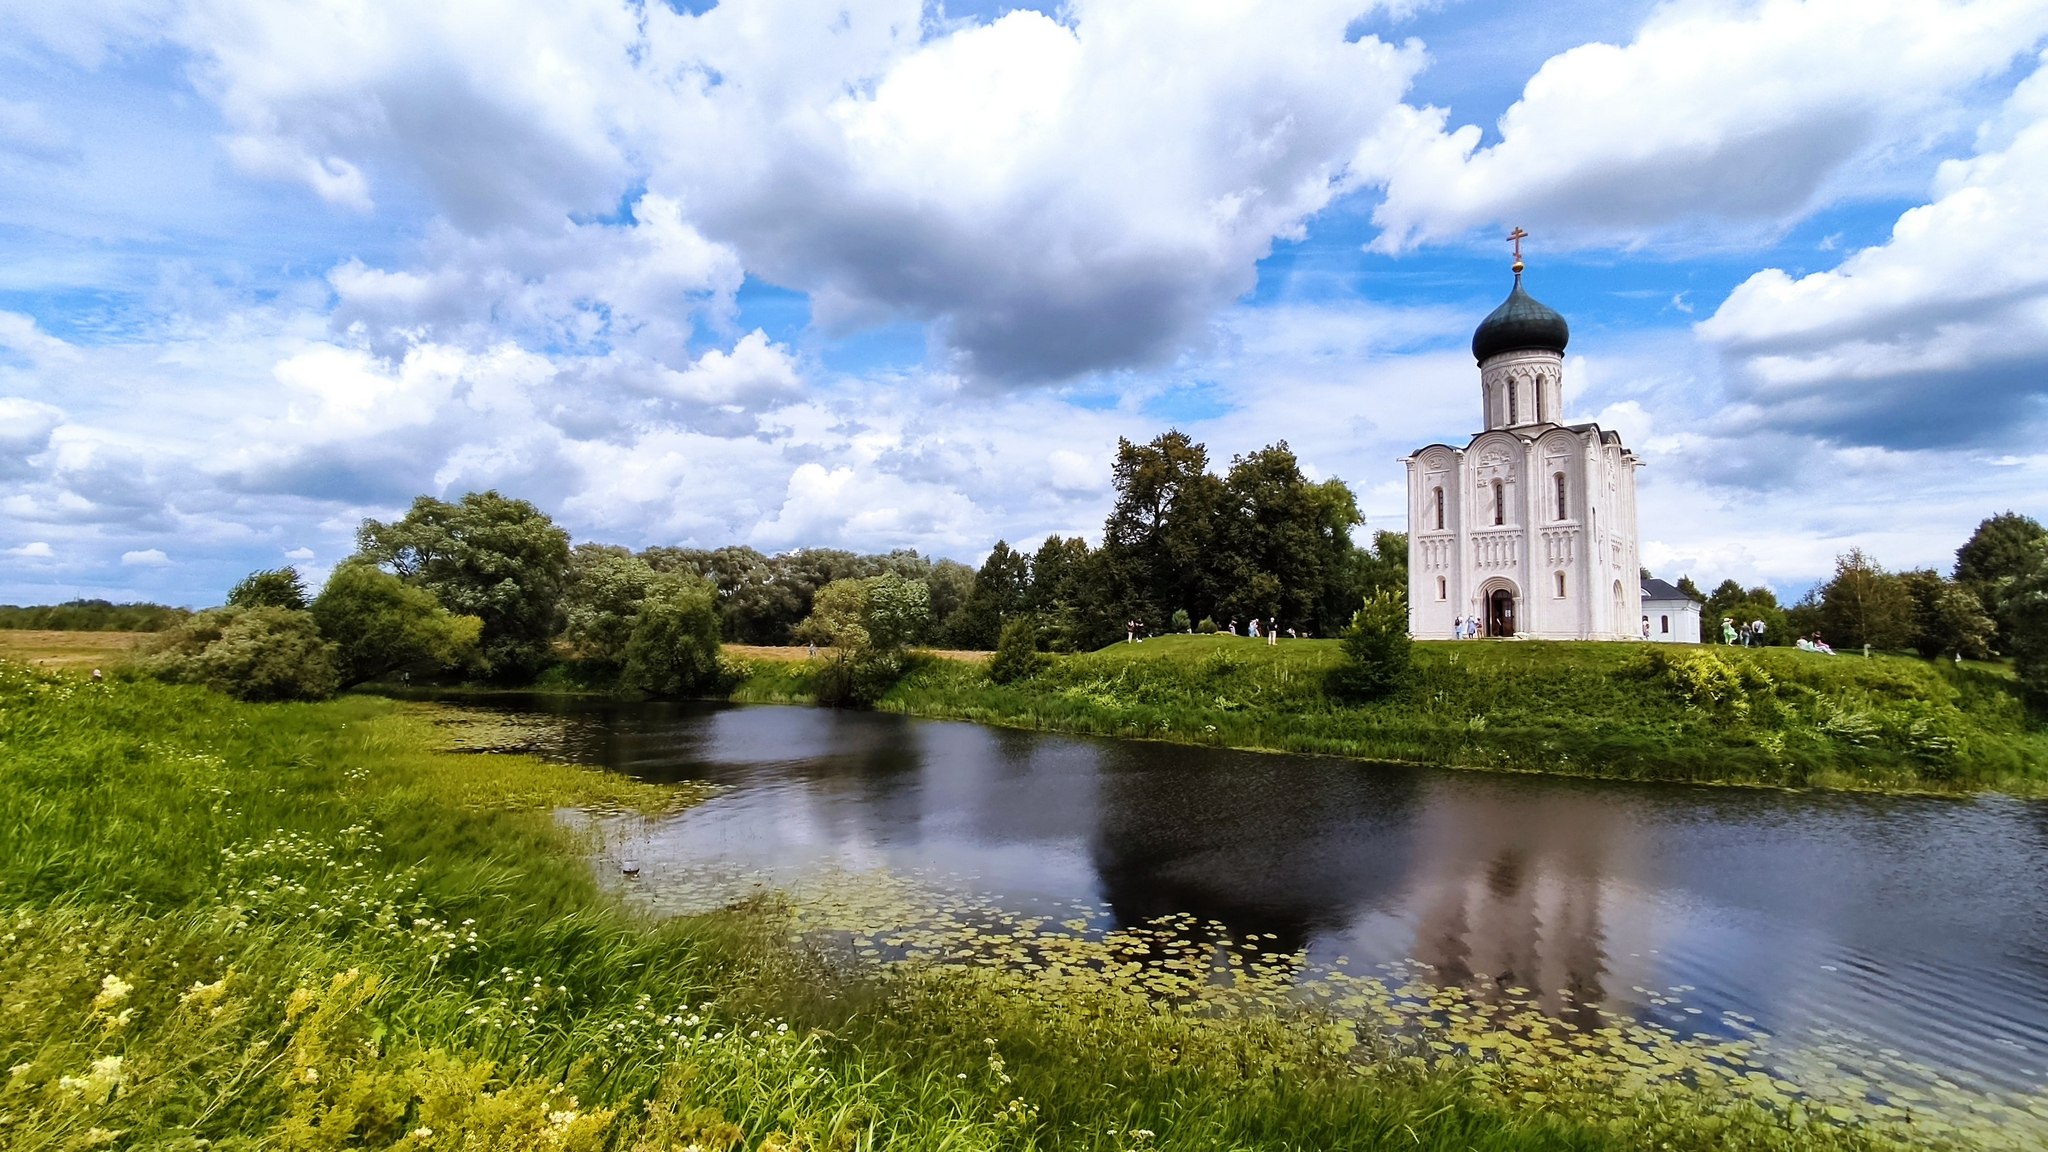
point(1905, 923)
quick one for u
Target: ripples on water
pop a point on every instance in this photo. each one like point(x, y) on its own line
point(1845, 926)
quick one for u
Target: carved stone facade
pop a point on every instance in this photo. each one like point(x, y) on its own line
point(1530, 528)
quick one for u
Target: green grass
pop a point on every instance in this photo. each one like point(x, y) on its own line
point(236, 926)
point(1775, 717)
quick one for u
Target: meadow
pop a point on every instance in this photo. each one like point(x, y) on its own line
point(1774, 716)
point(313, 926)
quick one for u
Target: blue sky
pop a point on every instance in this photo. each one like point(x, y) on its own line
point(877, 274)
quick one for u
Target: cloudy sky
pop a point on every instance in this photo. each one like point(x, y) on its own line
point(884, 273)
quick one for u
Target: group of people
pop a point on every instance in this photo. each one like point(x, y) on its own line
point(1815, 644)
point(1465, 628)
point(1750, 635)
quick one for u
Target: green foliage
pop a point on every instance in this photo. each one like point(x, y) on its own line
point(91, 616)
point(382, 626)
point(2026, 607)
point(1378, 653)
point(1017, 656)
point(601, 603)
point(2000, 554)
point(1208, 626)
point(489, 556)
point(1948, 619)
point(270, 588)
point(1181, 622)
point(1001, 588)
point(866, 624)
point(258, 654)
point(1864, 604)
point(1730, 601)
point(673, 649)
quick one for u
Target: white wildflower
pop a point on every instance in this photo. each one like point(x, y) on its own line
point(112, 990)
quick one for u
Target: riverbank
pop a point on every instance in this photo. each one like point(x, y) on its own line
point(1766, 717)
point(306, 926)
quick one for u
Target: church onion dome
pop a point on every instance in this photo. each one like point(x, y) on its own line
point(1520, 324)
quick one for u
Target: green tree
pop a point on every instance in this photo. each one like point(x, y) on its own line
point(1001, 590)
point(2027, 607)
point(381, 625)
point(866, 624)
point(490, 556)
point(1947, 618)
point(1017, 656)
point(1864, 604)
point(601, 600)
point(951, 584)
point(1382, 567)
point(1378, 654)
point(1160, 540)
point(1691, 589)
point(1061, 583)
point(2003, 550)
point(673, 648)
point(270, 588)
point(259, 654)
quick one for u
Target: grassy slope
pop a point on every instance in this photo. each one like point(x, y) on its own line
point(238, 926)
point(1771, 716)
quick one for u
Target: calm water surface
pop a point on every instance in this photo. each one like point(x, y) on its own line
point(1916, 924)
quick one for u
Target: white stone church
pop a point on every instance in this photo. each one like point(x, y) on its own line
point(1531, 527)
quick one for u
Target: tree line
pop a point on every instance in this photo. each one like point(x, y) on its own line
point(90, 616)
point(1992, 602)
point(489, 587)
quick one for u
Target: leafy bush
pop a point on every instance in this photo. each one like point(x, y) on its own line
point(1180, 620)
point(1017, 656)
point(258, 654)
point(674, 646)
point(1378, 654)
point(270, 588)
point(867, 624)
point(382, 625)
point(1207, 627)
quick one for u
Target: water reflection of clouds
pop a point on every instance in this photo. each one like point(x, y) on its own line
point(1913, 920)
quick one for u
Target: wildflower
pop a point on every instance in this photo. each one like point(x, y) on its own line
point(422, 1133)
point(94, 1137)
point(21, 1069)
point(312, 1075)
point(112, 990)
point(101, 1082)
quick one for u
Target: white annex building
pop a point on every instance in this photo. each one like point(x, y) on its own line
point(1531, 527)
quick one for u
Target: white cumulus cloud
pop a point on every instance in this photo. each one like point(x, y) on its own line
point(145, 558)
point(1715, 111)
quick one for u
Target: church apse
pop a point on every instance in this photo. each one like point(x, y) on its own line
point(1525, 528)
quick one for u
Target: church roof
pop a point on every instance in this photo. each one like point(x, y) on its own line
point(1654, 589)
point(1520, 323)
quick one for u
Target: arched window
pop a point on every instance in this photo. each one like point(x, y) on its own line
point(1539, 400)
point(1560, 584)
point(1559, 478)
point(1500, 503)
point(1442, 591)
point(1513, 417)
point(1439, 507)
point(1664, 623)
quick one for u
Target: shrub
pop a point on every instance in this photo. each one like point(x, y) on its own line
point(258, 654)
point(866, 624)
point(383, 625)
point(1017, 656)
point(1207, 627)
point(674, 646)
point(1180, 620)
point(1378, 656)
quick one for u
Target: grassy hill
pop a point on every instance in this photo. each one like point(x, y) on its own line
point(1632, 711)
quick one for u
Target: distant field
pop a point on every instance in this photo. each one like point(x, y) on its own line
point(796, 652)
point(68, 649)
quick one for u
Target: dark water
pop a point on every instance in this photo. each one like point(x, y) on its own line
point(1916, 924)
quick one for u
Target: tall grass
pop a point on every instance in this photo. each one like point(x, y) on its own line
point(303, 927)
point(1775, 717)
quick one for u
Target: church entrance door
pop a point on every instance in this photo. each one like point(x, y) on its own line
point(1500, 613)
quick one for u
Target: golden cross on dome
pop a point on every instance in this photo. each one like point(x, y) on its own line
point(1516, 237)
